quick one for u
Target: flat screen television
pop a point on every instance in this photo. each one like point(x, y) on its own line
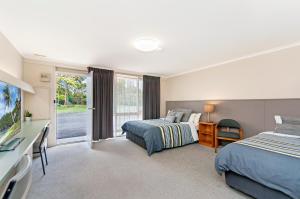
point(10, 111)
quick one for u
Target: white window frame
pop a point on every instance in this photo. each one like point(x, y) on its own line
point(139, 113)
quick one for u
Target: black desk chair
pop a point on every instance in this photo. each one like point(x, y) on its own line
point(228, 130)
point(40, 146)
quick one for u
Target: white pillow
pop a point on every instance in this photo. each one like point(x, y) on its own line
point(278, 119)
point(195, 118)
point(192, 117)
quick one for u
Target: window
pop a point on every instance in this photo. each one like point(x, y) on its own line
point(127, 100)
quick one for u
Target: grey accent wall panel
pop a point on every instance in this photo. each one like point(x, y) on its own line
point(249, 113)
point(285, 107)
point(196, 106)
point(255, 116)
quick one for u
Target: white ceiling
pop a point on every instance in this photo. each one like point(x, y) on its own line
point(194, 33)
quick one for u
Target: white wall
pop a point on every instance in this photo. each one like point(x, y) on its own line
point(40, 103)
point(11, 62)
point(10, 59)
point(270, 76)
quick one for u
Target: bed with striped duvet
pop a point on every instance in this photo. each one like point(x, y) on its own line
point(271, 159)
point(159, 134)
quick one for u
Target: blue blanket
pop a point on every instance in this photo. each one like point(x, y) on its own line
point(272, 169)
point(160, 134)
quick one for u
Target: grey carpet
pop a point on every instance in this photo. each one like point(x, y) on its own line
point(117, 168)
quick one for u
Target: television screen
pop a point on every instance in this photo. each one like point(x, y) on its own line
point(10, 111)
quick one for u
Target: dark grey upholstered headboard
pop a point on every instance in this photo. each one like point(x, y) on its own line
point(255, 116)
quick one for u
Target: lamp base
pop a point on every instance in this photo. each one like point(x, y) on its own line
point(208, 119)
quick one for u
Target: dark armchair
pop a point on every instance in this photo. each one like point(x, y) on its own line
point(228, 130)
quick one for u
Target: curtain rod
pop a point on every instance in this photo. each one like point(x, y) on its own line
point(119, 71)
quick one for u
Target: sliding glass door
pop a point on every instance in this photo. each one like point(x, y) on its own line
point(127, 100)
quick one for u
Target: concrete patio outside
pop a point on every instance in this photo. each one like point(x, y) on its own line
point(71, 124)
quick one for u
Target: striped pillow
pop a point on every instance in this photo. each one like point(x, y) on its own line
point(178, 116)
point(290, 120)
point(290, 129)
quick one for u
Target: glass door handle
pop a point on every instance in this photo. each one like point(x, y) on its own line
point(91, 108)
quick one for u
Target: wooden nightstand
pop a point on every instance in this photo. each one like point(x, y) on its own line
point(207, 133)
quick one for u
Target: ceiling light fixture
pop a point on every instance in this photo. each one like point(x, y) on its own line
point(147, 44)
point(39, 55)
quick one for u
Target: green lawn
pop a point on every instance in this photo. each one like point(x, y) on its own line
point(70, 108)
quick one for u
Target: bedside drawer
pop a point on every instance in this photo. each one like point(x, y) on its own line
point(205, 138)
point(207, 132)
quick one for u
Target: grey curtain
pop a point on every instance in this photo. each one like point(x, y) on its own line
point(151, 97)
point(103, 81)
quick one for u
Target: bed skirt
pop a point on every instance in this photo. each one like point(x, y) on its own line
point(251, 187)
point(136, 139)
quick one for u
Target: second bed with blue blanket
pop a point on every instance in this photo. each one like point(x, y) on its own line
point(159, 134)
point(270, 159)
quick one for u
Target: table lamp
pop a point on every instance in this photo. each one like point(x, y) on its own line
point(209, 108)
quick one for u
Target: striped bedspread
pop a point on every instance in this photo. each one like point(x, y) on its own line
point(269, 159)
point(173, 134)
point(277, 144)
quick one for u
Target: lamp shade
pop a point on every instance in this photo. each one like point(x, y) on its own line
point(209, 108)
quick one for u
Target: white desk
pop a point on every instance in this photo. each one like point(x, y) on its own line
point(9, 159)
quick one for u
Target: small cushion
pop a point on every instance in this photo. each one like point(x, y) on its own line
point(170, 118)
point(171, 113)
point(226, 134)
point(186, 113)
point(278, 119)
point(179, 116)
